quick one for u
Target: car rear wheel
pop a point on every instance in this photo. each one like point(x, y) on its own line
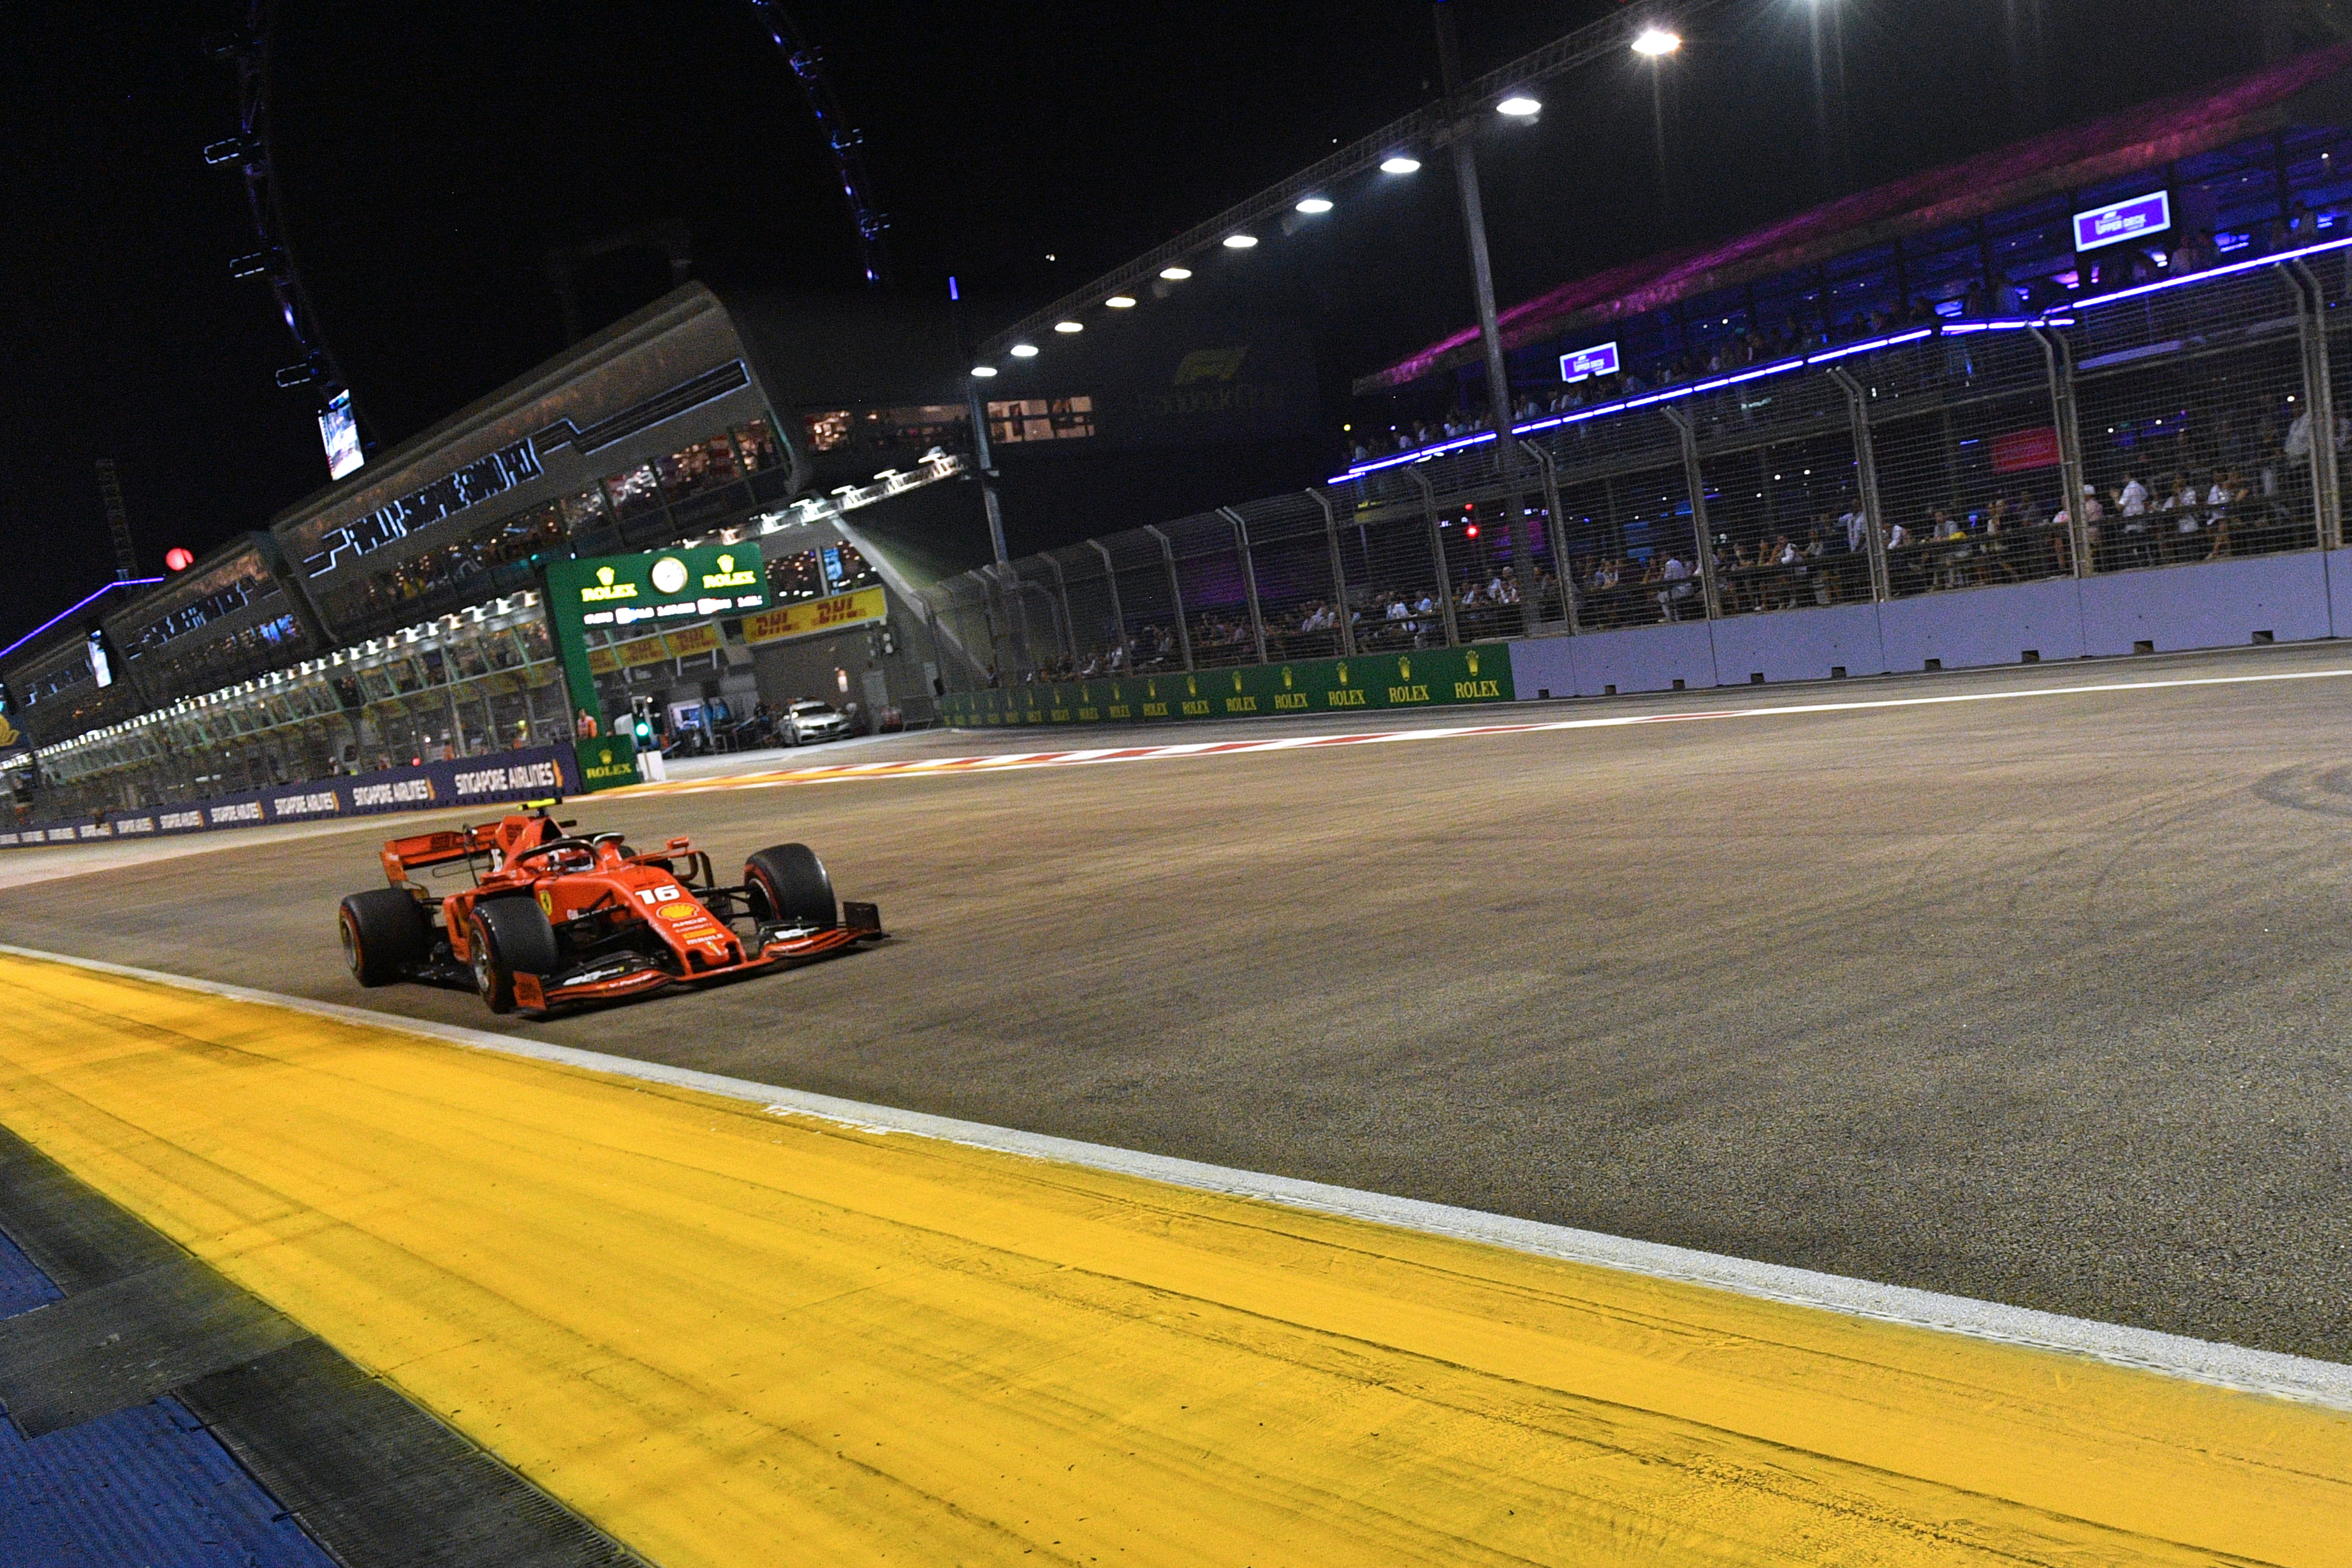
point(384, 933)
point(788, 883)
point(508, 936)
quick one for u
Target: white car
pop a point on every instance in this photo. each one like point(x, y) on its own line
point(810, 721)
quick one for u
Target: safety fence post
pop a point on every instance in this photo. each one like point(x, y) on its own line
point(1561, 570)
point(1249, 576)
point(1069, 625)
point(1437, 558)
point(2058, 356)
point(1694, 484)
point(1865, 475)
point(1118, 614)
point(1175, 593)
point(1346, 611)
point(2319, 403)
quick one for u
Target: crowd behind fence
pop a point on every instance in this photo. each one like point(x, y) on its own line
point(2190, 421)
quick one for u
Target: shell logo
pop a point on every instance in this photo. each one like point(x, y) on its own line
point(678, 910)
point(669, 574)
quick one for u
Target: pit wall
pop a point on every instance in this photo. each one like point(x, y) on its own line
point(2214, 604)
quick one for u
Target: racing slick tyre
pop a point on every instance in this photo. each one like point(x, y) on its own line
point(384, 933)
point(788, 883)
point(508, 936)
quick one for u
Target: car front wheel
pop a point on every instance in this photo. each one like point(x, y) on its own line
point(507, 937)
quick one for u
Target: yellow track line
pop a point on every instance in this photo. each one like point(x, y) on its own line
point(728, 1336)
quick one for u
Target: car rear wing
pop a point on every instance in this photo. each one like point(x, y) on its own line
point(402, 856)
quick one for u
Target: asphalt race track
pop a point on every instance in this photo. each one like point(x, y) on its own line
point(2042, 1001)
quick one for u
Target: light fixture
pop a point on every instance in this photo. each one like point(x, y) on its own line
point(1655, 41)
point(1120, 302)
point(1069, 326)
point(1400, 164)
point(1024, 351)
point(1314, 204)
point(1240, 242)
point(1518, 105)
point(983, 372)
point(1175, 274)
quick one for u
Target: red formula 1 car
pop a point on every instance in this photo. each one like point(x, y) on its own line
point(550, 917)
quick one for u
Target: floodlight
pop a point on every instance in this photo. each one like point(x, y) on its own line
point(1024, 351)
point(1655, 41)
point(1240, 242)
point(1314, 204)
point(1518, 105)
point(1400, 164)
point(1120, 302)
point(983, 372)
point(1069, 326)
point(1175, 274)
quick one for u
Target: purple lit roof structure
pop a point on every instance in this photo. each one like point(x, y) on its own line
point(2083, 155)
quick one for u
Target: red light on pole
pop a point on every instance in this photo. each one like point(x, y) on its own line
point(178, 559)
point(1472, 531)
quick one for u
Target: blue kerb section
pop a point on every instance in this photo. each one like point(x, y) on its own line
point(147, 1486)
point(22, 1286)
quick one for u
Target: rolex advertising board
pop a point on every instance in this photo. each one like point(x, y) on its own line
point(661, 601)
point(1430, 677)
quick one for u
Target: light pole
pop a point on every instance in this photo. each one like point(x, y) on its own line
point(1474, 222)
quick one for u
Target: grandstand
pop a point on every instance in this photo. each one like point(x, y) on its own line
point(395, 617)
point(1878, 408)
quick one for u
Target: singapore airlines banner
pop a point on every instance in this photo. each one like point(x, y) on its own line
point(529, 773)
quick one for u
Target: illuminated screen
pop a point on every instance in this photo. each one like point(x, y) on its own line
point(99, 669)
point(1586, 364)
point(340, 434)
point(2119, 221)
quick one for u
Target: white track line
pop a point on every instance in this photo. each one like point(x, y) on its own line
point(1003, 762)
point(2230, 1366)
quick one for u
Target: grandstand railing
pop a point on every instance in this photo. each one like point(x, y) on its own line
point(2200, 412)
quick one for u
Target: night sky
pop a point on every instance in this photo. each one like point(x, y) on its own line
point(432, 156)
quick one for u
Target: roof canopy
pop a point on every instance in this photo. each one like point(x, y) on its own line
point(2304, 89)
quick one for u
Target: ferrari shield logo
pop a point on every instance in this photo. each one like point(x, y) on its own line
point(547, 903)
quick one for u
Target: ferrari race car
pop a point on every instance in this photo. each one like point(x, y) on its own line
point(550, 917)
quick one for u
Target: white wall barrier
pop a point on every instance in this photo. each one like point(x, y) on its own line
point(2211, 604)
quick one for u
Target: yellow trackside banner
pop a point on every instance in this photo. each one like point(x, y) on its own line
point(693, 640)
point(603, 661)
point(813, 616)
